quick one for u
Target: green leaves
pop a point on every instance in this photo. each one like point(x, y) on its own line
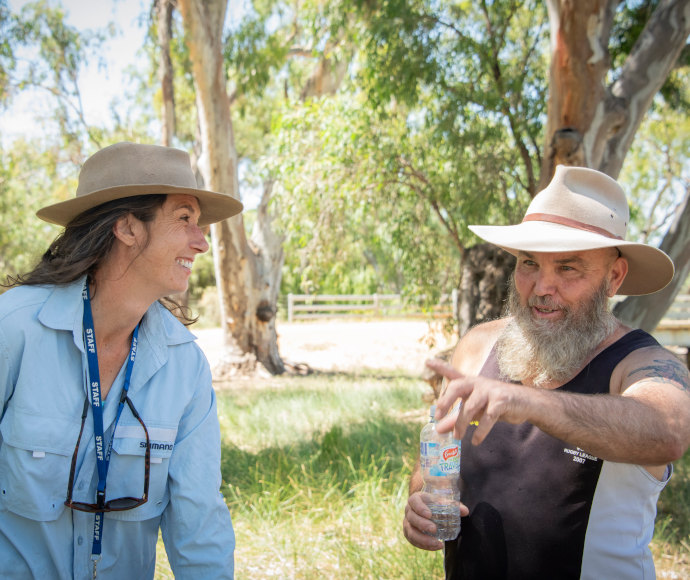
point(656, 175)
point(27, 182)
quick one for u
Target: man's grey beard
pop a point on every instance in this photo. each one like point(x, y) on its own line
point(541, 351)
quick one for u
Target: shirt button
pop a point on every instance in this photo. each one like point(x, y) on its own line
point(81, 485)
point(80, 540)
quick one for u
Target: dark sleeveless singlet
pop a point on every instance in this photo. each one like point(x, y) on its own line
point(530, 494)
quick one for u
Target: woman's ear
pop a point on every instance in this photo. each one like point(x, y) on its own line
point(127, 229)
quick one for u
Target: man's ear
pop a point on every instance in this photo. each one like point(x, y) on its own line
point(617, 273)
point(127, 230)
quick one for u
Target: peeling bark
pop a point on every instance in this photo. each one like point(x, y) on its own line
point(324, 79)
point(605, 118)
point(247, 291)
point(593, 125)
point(576, 77)
point(646, 69)
point(268, 248)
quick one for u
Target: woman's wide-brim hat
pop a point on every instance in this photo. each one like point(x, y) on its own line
point(583, 209)
point(128, 169)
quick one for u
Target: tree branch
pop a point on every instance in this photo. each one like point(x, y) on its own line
point(421, 192)
point(645, 70)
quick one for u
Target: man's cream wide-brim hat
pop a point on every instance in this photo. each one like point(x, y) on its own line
point(129, 169)
point(583, 209)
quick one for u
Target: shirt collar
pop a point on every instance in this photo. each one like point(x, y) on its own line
point(63, 310)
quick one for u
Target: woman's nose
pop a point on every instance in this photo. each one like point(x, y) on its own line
point(199, 242)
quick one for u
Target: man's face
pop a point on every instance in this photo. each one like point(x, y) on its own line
point(552, 283)
point(559, 304)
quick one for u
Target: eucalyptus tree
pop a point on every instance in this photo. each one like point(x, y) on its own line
point(248, 270)
point(164, 28)
point(598, 98)
point(56, 52)
point(597, 102)
point(42, 55)
point(444, 110)
point(239, 72)
point(499, 94)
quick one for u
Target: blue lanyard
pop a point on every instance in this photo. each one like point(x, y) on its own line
point(102, 454)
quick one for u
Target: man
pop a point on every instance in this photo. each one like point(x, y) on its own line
point(569, 419)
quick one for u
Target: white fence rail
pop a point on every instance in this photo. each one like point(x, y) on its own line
point(310, 306)
point(672, 330)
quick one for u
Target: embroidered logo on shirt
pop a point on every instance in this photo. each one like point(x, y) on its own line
point(154, 445)
point(580, 456)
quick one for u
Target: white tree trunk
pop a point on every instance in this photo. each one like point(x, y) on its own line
point(645, 70)
point(247, 292)
point(164, 11)
point(646, 311)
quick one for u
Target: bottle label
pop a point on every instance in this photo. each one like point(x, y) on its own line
point(449, 459)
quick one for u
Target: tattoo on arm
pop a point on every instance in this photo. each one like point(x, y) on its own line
point(666, 371)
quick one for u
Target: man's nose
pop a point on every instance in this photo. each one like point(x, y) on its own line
point(545, 283)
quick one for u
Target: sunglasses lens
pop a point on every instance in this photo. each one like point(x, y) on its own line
point(123, 503)
point(82, 507)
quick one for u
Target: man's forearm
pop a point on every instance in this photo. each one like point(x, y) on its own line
point(648, 424)
point(416, 482)
point(615, 428)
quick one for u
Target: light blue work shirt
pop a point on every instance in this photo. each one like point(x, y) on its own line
point(42, 391)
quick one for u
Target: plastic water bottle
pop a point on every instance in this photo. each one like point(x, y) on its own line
point(440, 464)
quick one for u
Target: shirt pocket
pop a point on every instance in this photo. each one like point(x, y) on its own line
point(35, 459)
point(127, 468)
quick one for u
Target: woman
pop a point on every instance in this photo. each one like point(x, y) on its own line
point(109, 428)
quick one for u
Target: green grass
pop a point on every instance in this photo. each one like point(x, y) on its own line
point(671, 544)
point(315, 473)
point(316, 470)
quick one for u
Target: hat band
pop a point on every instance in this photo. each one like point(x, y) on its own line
point(564, 221)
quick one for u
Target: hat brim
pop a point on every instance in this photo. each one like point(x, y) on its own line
point(214, 206)
point(649, 269)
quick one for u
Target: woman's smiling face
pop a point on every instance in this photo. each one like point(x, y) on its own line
point(174, 240)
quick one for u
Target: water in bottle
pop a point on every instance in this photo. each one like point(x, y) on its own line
point(440, 465)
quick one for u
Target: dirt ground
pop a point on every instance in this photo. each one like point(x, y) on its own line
point(342, 345)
